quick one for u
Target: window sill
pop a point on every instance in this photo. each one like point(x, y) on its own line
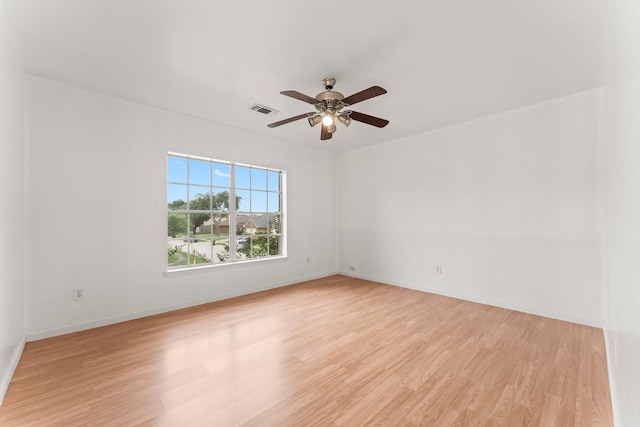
point(195, 270)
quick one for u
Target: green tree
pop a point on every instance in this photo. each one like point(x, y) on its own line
point(177, 224)
point(178, 204)
point(220, 202)
point(205, 202)
point(201, 202)
point(261, 245)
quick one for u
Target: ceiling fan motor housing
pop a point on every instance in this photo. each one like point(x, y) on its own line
point(329, 96)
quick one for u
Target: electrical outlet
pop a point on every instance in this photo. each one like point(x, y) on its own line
point(352, 267)
point(439, 269)
point(78, 294)
point(308, 260)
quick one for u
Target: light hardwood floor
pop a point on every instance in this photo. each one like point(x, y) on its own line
point(335, 351)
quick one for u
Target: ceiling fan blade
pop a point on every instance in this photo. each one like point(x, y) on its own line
point(364, 95)
point(289, 120)
point(370, 120)
point(325, 134)
point(300, 96)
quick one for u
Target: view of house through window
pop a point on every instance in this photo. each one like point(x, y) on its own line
point(220, 212)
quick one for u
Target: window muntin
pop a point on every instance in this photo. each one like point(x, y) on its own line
point(220, 212)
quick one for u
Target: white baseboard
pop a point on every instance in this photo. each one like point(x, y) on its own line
point(481, 300)
point(48, 333)
point(608, 344)
point(5, 377)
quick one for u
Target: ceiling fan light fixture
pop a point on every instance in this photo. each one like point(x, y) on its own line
point(329, 105)
point(314, 120)
point(345, 120)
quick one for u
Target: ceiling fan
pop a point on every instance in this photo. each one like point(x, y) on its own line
point(329, 108)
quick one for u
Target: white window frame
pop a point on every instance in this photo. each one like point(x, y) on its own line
point(232, 213)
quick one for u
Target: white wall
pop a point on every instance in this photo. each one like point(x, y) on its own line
point(96, 209)
point(11, 210)
point(622, 208)
point(506, 204)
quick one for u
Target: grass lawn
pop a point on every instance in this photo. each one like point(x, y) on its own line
point(173, 258)
point(180, 255)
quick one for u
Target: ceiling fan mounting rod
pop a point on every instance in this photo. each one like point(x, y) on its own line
point(329, 83)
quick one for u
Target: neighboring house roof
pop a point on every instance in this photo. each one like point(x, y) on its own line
point(260, 221)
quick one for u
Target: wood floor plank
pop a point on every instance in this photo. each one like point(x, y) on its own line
point(336, 351)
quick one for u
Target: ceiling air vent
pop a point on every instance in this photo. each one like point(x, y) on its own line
point(262, 109)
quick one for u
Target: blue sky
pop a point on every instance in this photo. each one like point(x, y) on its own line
point(257, 188)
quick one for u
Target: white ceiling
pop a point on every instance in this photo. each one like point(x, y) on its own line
point(442, 62)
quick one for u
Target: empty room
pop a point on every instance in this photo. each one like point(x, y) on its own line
point(419, 213)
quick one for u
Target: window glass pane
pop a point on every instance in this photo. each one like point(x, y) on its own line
point(243, 248)
point(273, 202)
point(177, 226)
point(220, 199)
point(199, 250)
point(252, 247)
point(204, 230)
point(199, 172)
point(176, 196)
point(273, 180)
point(177, 230)
point(199, 198)
point(220, 252)
point(274, 245)
point(270, 223)
point(262, 222)
point(220, 238)
point(176, 169)
point(199, 223)
point(258, 179)
point(244, 197)
point(188, 241)
point(250, 226)
point(267, 245)
point(258, 201)
point(275, 224)
point(243, 177)
point(220, 229)
point(242, 221)
point(221, 175)
point(259, 246)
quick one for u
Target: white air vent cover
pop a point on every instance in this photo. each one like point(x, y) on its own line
point(264, 110)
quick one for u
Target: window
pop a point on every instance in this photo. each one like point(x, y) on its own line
point(221, 212)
